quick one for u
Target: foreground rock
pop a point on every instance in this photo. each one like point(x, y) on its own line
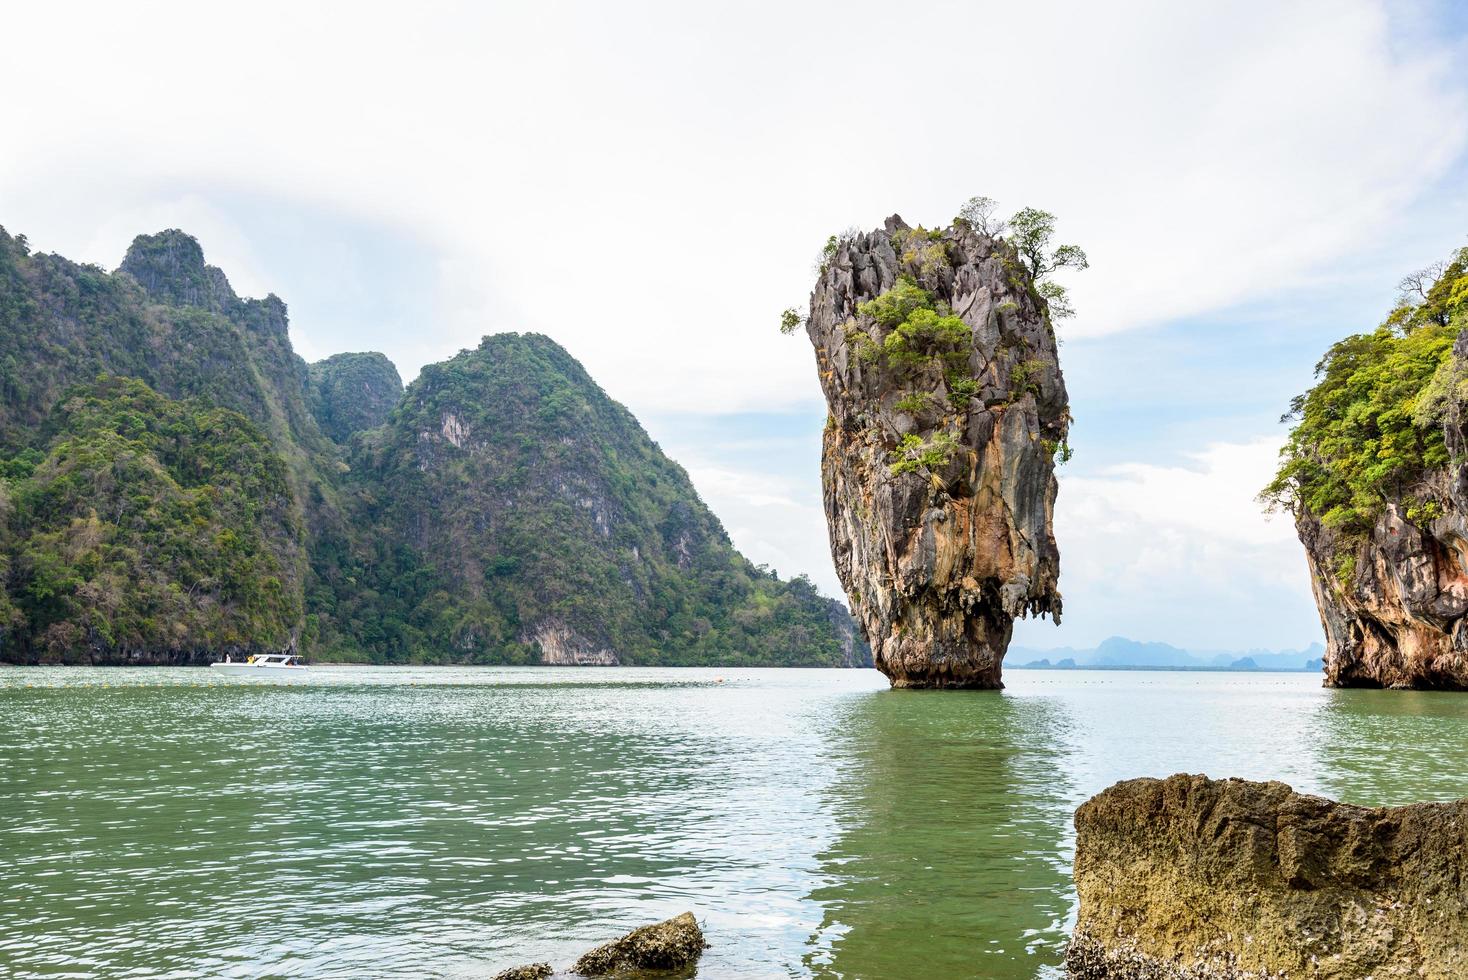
point(673, 944)
point(533, 971)
point(947, 410)
point(1189, 878)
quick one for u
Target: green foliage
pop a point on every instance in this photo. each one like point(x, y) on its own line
point(914, 403)
point(894, 306)
point(790, 321)
point(1030, 231)
point(1059, 450)
point(916, 454)
point(961, 389)
point(1370, 430)
point(349, 393)
point(151, 525)
point(921, 333)
point(1025, 376)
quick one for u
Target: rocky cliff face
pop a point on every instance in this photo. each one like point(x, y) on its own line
point(947, 411)
point(1375, 472)
point(1394, 606)
point(1189, 878)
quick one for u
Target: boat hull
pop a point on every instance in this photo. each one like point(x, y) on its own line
point(274, 671)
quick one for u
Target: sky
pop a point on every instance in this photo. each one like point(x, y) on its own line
point(649, 184)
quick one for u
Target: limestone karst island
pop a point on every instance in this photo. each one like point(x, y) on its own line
point(683, 491)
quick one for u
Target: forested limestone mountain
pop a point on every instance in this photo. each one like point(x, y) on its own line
point(528, 512)
point(149, 528)
point(1375, 473)
point(176, 483)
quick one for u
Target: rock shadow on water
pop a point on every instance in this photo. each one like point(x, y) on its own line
point(952, 851)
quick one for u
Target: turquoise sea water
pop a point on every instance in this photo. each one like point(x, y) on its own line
point(406, 822)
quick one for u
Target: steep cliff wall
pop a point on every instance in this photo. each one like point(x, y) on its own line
point(947, 411)
point(1376, 475)
point(1188, 878)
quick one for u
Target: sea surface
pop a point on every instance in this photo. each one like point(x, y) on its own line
point(449, 822)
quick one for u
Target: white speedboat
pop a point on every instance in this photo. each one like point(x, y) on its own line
point(263, 665)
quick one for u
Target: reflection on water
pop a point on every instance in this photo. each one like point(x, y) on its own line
point(449, 822)
point(950, 861)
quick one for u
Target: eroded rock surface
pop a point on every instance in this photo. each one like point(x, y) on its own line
point(1189, 878)
point(947, 411)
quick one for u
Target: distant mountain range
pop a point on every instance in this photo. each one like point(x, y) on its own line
point(1118, 652)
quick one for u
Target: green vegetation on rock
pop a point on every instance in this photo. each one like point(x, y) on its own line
point(556, 522)
point(1370, 431)
point(150, 528)
point(348, 393)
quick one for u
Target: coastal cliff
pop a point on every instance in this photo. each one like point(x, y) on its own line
point(947, 411)
point(1189, 878)
point(1375, 474)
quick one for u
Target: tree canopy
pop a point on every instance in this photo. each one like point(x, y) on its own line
point(1371, 430)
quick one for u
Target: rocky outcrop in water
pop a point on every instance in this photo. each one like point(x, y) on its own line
point(669, 945)
point(1394, 604)
point(947, 412)
point(659, 949)
point(1375, 472)
point(1189, 878)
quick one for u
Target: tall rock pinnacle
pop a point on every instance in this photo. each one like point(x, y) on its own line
point(947, 413)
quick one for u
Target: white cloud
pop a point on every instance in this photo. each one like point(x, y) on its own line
point(1182, 552)
point(771, 518)
point(648, 182)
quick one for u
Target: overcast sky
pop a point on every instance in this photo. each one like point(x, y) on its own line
point(649, 184)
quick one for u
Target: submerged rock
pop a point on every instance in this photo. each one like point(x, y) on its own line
point(669, 945)
point(947, 410)
point(1189, 878)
